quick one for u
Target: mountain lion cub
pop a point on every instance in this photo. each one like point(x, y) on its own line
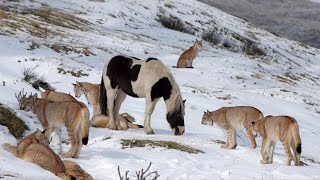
point(232, 118)
point(279, 128)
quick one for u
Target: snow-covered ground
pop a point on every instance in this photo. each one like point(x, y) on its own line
point(286, 82)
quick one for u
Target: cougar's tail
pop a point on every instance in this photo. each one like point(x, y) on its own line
point(85, 123)
point(131, 125)
point(103, 98)
point(296, 138)
point(297, 143)
point(74, 170)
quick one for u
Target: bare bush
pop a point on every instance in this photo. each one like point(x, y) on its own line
point(252, 49)
point(171, 22)
point(140, 175)
point(29, 75)
point(212, 37)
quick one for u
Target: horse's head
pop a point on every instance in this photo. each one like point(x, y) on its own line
point(176, 120)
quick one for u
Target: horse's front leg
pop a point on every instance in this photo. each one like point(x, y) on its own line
point(149, 110)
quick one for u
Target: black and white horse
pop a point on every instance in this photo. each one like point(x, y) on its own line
point(149, 79)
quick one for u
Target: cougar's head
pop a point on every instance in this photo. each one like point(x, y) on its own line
point(198, 44)
point(206, 118)
point(40, 136)
point(29, 102)
point(78, 89)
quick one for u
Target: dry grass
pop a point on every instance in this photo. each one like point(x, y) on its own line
point(36, 22)
point(226, 97)
point(126, 143)
point(9, 119)
point(58, 47)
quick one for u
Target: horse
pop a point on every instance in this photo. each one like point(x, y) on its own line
point(149, 79)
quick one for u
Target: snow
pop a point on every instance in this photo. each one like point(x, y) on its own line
point(218, 74)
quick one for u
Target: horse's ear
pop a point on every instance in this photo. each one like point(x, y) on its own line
point(184, 101)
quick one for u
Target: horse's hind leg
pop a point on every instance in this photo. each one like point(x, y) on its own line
point(111, 94)
point(149, 110)
point(121, 96)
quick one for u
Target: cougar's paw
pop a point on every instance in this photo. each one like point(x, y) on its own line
point(6, 145)
point(253, 146)
point(263, 162)
point(66, 155)
point(113, 127)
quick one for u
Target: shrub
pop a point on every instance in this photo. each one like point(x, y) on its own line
point(9, 119)
point(140, 175)
point(171, 22)
point(29, 75)
point(251, 48)
point(212, 37)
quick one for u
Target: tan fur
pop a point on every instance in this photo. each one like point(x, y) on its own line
point(76, 171)
point(91, 92)
point(279, 128)
point(33, 148)
point(232, 118)
point(55, 115)
point(55, 96)
point(187, 57)
point(102, 121)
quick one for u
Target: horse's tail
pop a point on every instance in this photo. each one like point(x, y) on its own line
point(103, 98)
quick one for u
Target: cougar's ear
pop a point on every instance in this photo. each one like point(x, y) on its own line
point(253, 123)
point(38, 131)
point(184, 101)
point(74, 85)
point(44, 131)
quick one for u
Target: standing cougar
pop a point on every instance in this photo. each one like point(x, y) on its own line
point(279, 128)
point(187, 57)
point(55, 96)
point(55, 115)
point(232, 118)
point(33, 148)
point(91, 92)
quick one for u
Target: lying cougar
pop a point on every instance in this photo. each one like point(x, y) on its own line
point(33, 148)
point(279, 128)
point(232, 118)
point(102, 121)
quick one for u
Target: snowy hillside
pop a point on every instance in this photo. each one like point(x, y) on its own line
point(57, 36)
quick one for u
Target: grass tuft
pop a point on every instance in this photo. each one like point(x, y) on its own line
point(126, 143)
